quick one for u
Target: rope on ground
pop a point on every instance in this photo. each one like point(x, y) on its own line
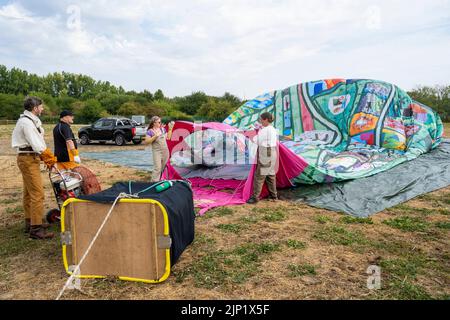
point(77, 267)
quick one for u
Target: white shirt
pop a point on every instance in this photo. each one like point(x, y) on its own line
point(267, 137)
point(26, 134)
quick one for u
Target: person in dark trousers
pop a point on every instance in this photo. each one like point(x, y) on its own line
point(28, 139)
point(66, 148)
point(267, 140)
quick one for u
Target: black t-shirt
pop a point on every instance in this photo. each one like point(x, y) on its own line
point(61, 134)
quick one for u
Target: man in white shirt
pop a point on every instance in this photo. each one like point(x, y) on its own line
point(266, 168)
point(28, 139)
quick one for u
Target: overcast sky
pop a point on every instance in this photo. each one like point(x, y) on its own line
point(243, 47)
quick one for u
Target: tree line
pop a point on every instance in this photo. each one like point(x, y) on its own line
point(437, 97)
point(90, 99)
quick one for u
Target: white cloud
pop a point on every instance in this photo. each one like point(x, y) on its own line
point(15, 12)
point(246, 47)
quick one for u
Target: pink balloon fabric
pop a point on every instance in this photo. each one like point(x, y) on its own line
point(212, 193)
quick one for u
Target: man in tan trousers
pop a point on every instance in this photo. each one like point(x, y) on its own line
point(266, 168)
point(28, 139)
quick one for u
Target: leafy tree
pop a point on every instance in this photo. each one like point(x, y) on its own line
point(92, 110)
point(11, 106)
point(159, 95)
point(4, 75)
point(130, 108)
point(190, 104)
point(216, 109)
point(111, 102)
point(147, 95)
point(65, 102)
point(51, 109)
point(235, 101)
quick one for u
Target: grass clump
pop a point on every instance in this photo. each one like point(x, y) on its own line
point(274, 216)
point(229, 227)
point(443, 225)
point(295, 244)
point(355, 220)
point(323, 219)
point(301, 270)
point(407, 223)
point(227, 267)
point(339, 236)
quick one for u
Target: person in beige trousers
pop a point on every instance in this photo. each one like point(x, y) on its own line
point(266, 167)
point(28, 139)
point(157, 136)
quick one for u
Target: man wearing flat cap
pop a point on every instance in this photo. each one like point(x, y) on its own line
point(66, 149)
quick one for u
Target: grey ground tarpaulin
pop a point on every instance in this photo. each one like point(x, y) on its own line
point(366, 196)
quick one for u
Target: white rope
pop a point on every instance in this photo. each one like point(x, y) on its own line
point(77, 268)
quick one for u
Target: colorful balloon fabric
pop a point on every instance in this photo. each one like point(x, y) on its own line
point(345, 129)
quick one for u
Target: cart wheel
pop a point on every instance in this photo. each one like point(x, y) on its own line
point(53, 215)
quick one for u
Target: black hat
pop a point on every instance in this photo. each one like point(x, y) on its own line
point(65, 113)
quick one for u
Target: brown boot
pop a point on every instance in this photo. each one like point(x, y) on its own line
point(39, 232)
point(28, 225)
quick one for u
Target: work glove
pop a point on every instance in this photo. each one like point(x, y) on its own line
point(75, 155)
point(49, 158)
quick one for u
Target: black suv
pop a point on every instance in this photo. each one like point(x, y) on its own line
point(119, 130)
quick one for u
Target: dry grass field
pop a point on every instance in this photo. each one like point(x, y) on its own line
point(270, 250)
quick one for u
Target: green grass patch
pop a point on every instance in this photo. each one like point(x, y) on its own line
point(407, 223)
point(404, 267)
point(400, 273)
point(322, 219)
point(249, 219)
point(295, 244)
point(203, 242)
point(8, 201)
point(355, 220)
point(340, 236)
point(443, 225)
point(270, 215)
point(427, 197)
point(18, 209)
point(218, 212)
point(403, 208)
point(301, 270)
point(274, 216)
point(13, 241)
point(259, 210)
point(230, 227)
point(429, 212)
point(405, 290)
point(225, 267)
point(393, 246)
point(441, 198)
